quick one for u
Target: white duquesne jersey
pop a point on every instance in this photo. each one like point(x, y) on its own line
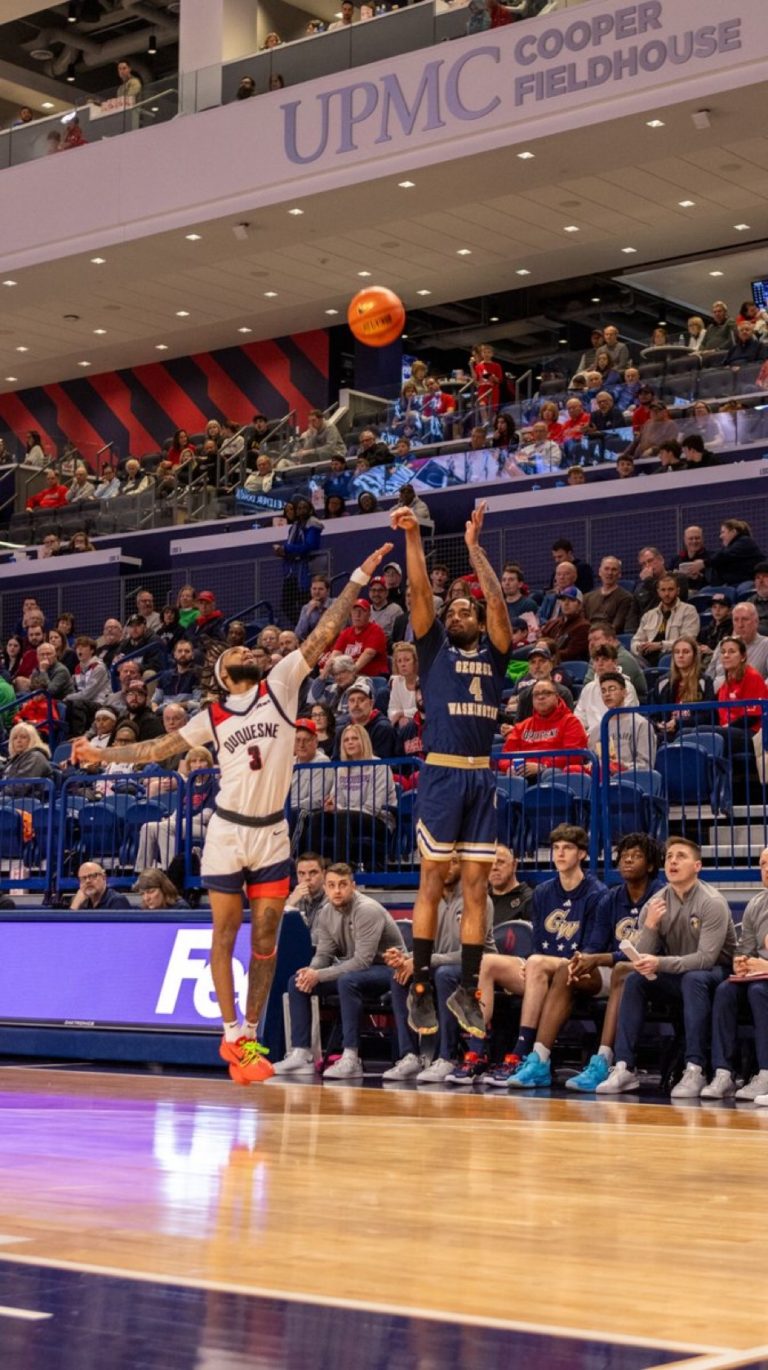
point(252, 736)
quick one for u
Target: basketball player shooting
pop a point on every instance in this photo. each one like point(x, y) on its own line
point(462, 672)
point(252, 731)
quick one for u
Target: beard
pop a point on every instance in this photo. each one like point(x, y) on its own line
point(248, 671)
point(463, 637)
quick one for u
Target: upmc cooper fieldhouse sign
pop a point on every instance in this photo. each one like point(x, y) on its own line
point(563, 57)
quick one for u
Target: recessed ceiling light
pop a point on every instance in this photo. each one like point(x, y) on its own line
point(193, 237)
point(11, 379)
point(686, 204)
point(10, 282)
point(716, 273)
point(161, 347)
point(629, 250)
point(522, 271)
point(526, 156)
point(661, 323)
point(494, 318)
point(571, 228)
point(245, 329)
point(595, 299)
point(100, 332)
point(270, 294)
point(655, 123)
point(741, 228)
point(406, 185)
point(22, 349)
point(423, 292)
point(98, 261)
point(47, 104)
point(363, 273)
point(296, 212)
point(84, 363)
point(182, 313)
point(464, 252)
point(563, 342)
point(331, 311)
point(403, 335)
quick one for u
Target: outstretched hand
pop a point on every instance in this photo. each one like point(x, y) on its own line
point(474, 526)
point(375, 559)
point(403, 518)
point(83, 754)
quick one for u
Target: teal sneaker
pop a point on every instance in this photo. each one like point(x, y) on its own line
point(533, 1074)
point(591, 1076)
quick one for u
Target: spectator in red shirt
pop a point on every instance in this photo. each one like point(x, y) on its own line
point(488, 377)
point(552, 727)
point(365, 642)
point(28, 663)
point(738, 724)
point(577, 419)
point(52, 496)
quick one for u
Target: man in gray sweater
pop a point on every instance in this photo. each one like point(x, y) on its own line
point(684, 948)
point(445, 966)
point(351, 935)
point(731, 998)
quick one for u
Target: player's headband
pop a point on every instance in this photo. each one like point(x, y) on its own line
point(217, 671)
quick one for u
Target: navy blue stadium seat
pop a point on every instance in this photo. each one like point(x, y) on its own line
point(514, 938)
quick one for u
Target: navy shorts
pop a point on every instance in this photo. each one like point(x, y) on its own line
point(456, 813)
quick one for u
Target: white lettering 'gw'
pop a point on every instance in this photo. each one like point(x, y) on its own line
point(186, 963)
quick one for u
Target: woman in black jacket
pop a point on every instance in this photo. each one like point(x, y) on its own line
point(739, 554)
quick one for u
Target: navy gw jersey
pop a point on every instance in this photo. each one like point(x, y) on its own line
point(563, 919)
point(616, 918)
point(252, 735)
point(462, 693)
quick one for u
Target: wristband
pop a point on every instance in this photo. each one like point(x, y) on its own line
point(359, 577)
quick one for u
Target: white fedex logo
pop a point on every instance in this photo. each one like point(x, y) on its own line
point(189, 960)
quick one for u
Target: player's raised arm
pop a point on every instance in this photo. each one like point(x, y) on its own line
point(158, 749)
point(422, 597)
point(327, 630)
point(497, 622)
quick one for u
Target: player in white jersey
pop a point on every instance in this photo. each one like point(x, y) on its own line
point(247, 844)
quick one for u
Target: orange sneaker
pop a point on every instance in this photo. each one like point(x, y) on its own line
point(252, 1068)
point(232, 1052)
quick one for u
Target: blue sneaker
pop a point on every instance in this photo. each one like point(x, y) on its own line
point(591, 1076)
point(533, 1074)
point(470, 1070)
point(500, 1077)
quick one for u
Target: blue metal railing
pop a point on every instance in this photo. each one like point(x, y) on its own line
point(536, 791)
point(27, 811)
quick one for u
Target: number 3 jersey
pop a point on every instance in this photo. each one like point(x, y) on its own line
point(252, 737)
point(462, 693)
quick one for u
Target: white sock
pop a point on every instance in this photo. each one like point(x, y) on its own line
point(607, 1052)
point(232, 1032)
point(542, 1052)
point(249, 1030)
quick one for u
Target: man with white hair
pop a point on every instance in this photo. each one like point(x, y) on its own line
point(617, 351)
point(745, 625)
point(611, 601)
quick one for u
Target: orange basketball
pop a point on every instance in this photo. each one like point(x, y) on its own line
point(376, 316)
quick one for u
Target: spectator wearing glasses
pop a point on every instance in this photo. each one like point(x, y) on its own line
point(93, 892)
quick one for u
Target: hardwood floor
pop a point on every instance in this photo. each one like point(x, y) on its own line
point(608, 1216)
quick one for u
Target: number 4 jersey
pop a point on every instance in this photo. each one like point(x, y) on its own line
point(252, 737)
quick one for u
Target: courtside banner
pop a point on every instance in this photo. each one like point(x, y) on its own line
point(113, 974)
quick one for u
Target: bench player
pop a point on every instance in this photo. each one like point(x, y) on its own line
point(462, 672)
point(251, 730)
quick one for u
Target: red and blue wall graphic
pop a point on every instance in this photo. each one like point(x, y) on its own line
point(138, 409)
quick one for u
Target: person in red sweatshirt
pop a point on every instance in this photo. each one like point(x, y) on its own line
point(52, 496)
point(552, 727)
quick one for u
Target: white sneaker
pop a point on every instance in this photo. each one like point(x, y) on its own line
point(721, 1086)
point(756, 1086)
point(406, 1068)
point(620, 1081)
point(436, 1073)
point(762, 1101)
point(348, 1067)
point(691, 1083)
point(300, 1061)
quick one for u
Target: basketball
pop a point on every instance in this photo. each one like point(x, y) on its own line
point(376, 316)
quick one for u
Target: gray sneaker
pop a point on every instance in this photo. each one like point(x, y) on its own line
point(691, 1083)
point(721, 1086)
point(406, 1069)
point(348, 1067)
point(436, 1073)
point(757, 1085)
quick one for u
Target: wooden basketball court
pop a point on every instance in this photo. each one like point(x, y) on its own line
point(614, 1221)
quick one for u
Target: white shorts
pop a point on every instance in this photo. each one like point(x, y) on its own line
point(235, 855)
point(605, 973)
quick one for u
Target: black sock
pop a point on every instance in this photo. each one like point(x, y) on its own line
point(422, 958)
point(471, 956)
point(525, 1041)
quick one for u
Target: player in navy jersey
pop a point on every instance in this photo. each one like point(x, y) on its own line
point(462, 673)
point(252, 731)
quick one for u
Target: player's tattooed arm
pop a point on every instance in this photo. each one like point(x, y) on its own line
point(330, 625)
point(157, 749)
point(422, 597)
point(497, 616)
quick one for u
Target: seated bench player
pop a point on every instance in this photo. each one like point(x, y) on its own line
point(732, 998)
point(686, 943)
